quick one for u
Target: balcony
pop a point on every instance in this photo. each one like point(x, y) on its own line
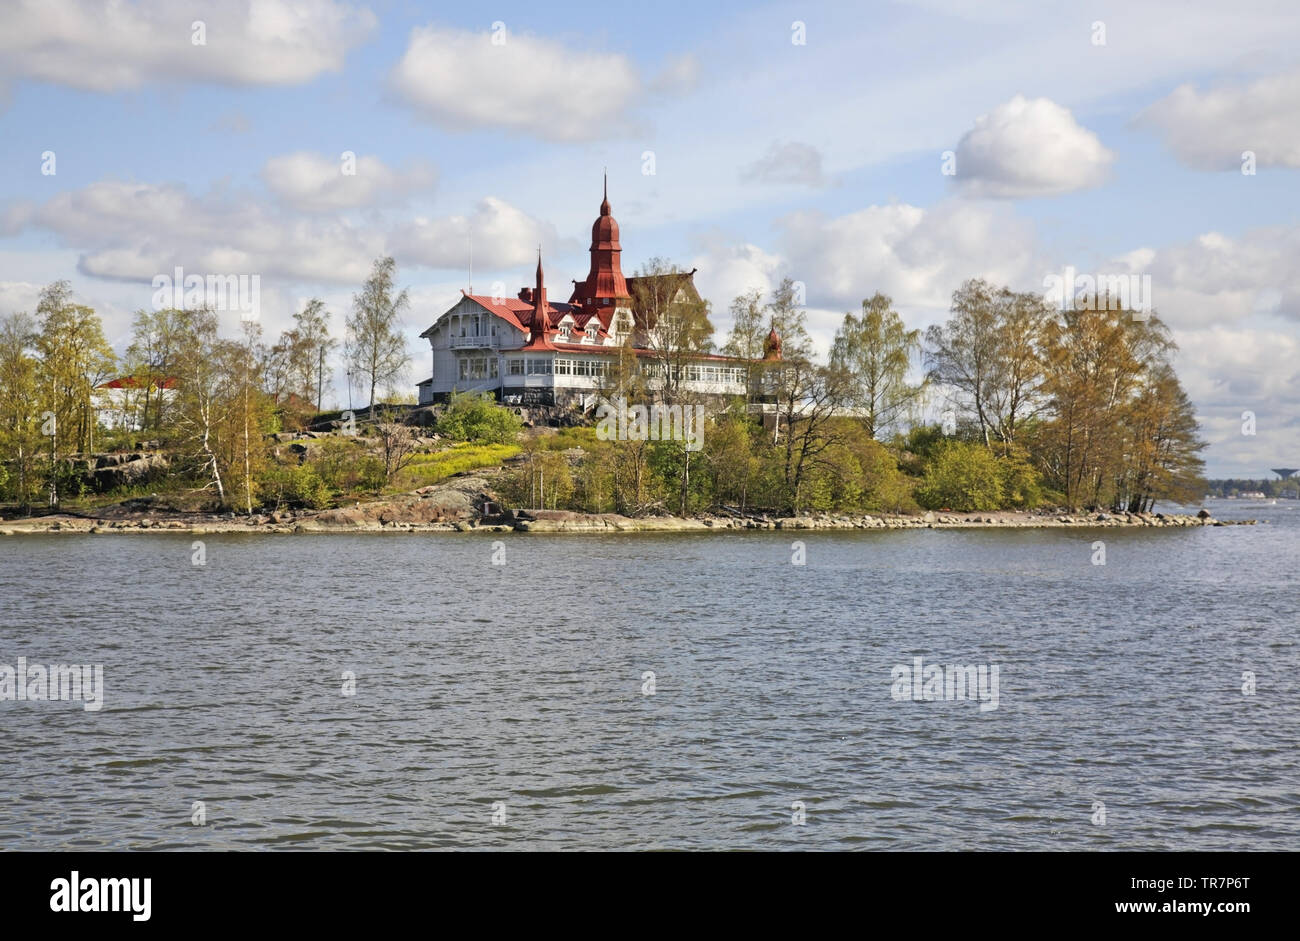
point(481, 342)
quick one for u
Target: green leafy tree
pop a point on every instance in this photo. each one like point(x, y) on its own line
point(747, 336)
point(375, 348)
point(875, 350)
point(20, 424)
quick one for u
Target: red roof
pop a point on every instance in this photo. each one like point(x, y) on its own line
point(605, 279)
point(139, 382)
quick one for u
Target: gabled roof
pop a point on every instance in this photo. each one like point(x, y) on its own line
point(517, 313)
point(139, 382)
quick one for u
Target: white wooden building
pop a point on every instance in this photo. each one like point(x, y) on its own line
point(528, 350)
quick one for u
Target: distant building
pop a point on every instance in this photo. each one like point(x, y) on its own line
point(120, 403)
point(1285, 472)
point(530, 350)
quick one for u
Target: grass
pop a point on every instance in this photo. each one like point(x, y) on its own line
point(429, 468)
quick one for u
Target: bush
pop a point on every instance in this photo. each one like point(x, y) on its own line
point(479, 420)
point(296, 485)
point(336, 461)
point(961, 476)
point(1022, 485)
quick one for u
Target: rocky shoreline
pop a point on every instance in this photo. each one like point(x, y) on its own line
point(466, 504)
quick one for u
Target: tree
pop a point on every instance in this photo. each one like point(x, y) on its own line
point(875, 351)
point(376, 349)
point(747, 336)
point(808, 398)
point(74, 359)
point(964, 353)
point(1098, 361)
point(205, 396)
point(253, 410)
point(678, 333)
point(150, 357)
point(729, 451)
point(309, 347)
point(20, 437)
point(1162, 445)
point(786, 315)
point(1014, 396)
point(397, 446)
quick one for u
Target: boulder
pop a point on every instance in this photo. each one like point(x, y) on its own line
point(127, 470)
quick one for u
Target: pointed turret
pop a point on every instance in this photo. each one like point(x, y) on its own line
point(540, 321)
point(772, 346)
point(605, 284)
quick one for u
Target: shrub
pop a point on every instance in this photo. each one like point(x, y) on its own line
point(479, 420)
point(1022, 485)
point(961, 476)
point(296, 485)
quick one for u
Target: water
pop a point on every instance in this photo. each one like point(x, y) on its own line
point(522, 683)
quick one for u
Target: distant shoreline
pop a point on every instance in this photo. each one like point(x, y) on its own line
point(564, 521)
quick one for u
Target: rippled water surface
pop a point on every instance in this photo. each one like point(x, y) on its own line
point(523, 683)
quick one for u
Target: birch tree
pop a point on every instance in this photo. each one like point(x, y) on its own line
point(375, 347)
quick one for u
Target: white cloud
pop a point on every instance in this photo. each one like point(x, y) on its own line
point(503, 237)
point(727, 269)
point(112, 46)
point(787, 162)
point(18, 297)
point(310, 181)
point(917, 256)
point(1213, 279)
point(134, 231)
point(1029, 147)
point(460, 78)
point(1228, 371)
point(1210, 130)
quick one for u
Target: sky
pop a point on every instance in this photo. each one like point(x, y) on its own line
point(901, 147)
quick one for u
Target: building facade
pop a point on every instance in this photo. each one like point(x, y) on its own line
point(529, 350)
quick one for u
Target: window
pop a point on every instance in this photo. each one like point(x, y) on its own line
point(515, 367)
point(477, 367)
point(539, 367)
point(563, 367)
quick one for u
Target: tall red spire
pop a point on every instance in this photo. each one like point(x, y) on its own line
point(540, 323)
point(605, 279)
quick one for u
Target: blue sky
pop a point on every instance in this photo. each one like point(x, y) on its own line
point(821, 161)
